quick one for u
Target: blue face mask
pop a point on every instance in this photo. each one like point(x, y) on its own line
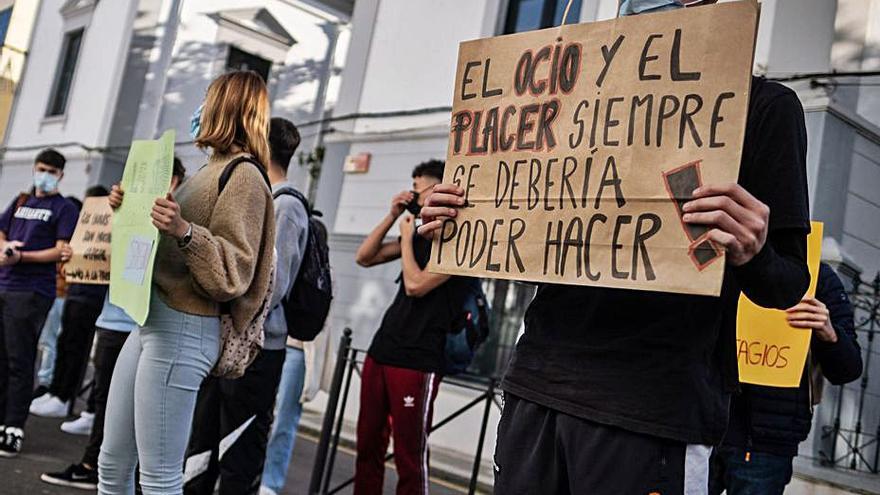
point(45, 182)
point(195, 124)
point(632, 7)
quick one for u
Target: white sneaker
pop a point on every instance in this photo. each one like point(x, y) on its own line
point(50, 408)
point(267, 491)
point(43, 398)
point(81, 425)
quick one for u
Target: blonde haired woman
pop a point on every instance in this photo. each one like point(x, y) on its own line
point(215, 252)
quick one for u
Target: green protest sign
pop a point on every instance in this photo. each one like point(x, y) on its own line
point(147, 176)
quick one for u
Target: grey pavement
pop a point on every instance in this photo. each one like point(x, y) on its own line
point(47, 448)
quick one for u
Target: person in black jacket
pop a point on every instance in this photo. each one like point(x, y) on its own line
point(768, 423)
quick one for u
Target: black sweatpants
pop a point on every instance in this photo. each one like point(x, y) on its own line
point(74, 345)
point(223, 406)
point(22, 315)
point(540, 450)
point(107, 348)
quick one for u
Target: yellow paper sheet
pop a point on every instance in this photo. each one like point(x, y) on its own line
point(769, 351)
point(147, 176)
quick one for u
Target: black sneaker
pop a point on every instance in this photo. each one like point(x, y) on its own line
point(12, 439)
point(75, 476)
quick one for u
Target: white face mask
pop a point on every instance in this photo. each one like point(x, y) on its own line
point(45, 182)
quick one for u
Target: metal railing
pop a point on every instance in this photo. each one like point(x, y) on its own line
point(852, 439)
point(348, 362)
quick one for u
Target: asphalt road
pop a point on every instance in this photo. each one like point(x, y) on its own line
point(47, 448)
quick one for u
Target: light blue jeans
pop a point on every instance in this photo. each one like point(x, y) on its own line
point(152, 398)
point(49, 342)
point(288, 410)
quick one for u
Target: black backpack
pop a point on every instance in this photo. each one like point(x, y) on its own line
point(307, 304)
point(469, 329)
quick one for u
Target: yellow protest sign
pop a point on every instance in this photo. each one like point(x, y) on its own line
point(770, 351)
point(147, 176)
point(90, 262)
point(577, 146)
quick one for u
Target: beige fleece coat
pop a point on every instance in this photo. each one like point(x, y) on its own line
point(230, 255)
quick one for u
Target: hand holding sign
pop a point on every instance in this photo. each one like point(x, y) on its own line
point(166, 217)
point(812, 314)
point(441, 203)
point(116, 196)
point(738, 219)
point(66, 253)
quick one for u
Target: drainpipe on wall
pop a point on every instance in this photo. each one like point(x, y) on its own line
point(331, 29)
point(150, 108)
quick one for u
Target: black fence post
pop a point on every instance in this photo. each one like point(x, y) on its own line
point(490, 392)
point(334, 445)
point(330, 413)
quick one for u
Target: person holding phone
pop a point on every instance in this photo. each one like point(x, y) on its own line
point(34, 228)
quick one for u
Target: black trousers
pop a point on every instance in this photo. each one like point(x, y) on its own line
point(74, 345)
point(222, 407)
point(22, 315)
point(540, 450)
point(107, 348)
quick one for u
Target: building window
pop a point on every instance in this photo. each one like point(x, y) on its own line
point(5, 15)
point(526, 15)
point(66, 69)
point(242, 60)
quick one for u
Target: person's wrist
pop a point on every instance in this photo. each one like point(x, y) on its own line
point(828, 335)
point(182, 230)
point(185, 236)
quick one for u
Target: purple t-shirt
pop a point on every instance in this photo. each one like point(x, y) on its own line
point(39, 223)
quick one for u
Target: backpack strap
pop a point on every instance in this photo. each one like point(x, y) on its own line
point(19, 202)
point(226, 307)
point(289, 191)
point(230, 167)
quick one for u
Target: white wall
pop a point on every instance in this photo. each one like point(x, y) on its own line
point(861, 225)
point(91, 100)
point(413, 57)
point(200, 53)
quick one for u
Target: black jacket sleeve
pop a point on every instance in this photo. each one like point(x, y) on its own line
point(777, 277)
point(841, 361)
point(774, 170)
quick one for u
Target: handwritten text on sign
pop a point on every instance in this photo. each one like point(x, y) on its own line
point(577, 146)
point(90, 263)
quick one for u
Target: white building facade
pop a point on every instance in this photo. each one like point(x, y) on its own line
point(100, 74)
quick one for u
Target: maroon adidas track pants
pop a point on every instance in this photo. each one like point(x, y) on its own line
point(400, 402)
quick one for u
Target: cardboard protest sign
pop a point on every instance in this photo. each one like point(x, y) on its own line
point(577, 145)
point(147, 176)
point(770, 351)
point(90, 262)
